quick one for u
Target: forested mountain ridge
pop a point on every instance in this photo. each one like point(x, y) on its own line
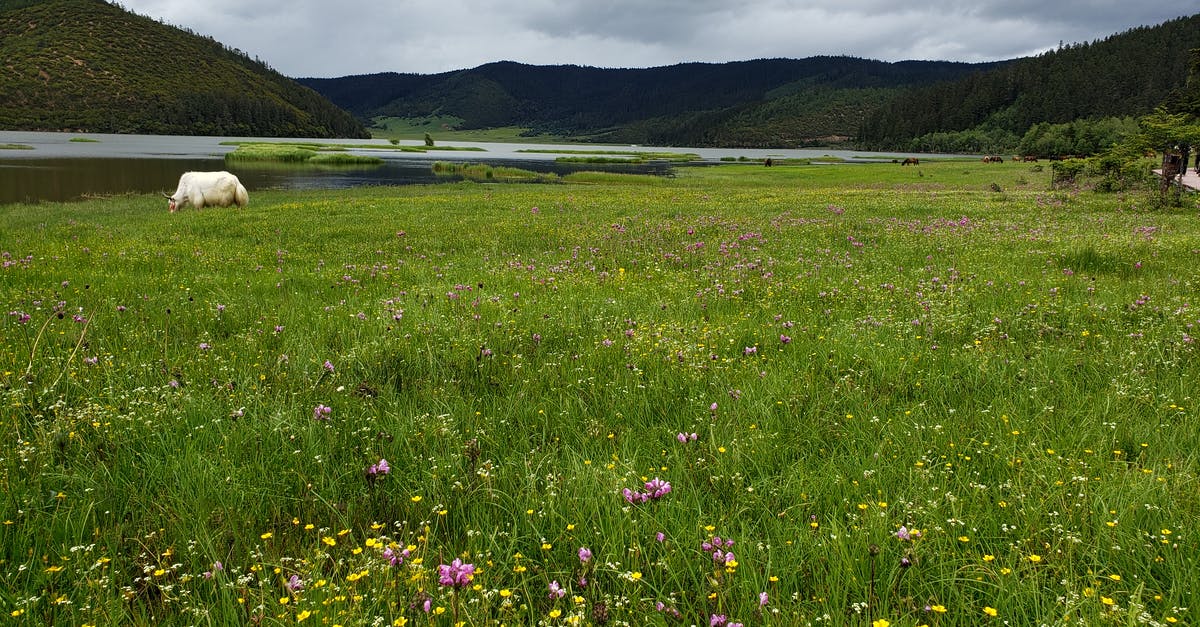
point(1127, 74)
point(912, 105)
point(87, 65)
point(690, 103)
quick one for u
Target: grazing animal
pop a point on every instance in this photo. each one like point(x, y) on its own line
point(991, 159)
point(208, 189)
point(911, 161)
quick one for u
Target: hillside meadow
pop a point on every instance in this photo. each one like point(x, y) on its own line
point(828, 395)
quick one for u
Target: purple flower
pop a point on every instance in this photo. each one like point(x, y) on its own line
point(585, 554)
point(717, 620)
point(660, 536)
point(321, 412)
point(205, 346)
point(750, 350)
point(295, 583)
point(394, 557)
point(328, 366)
point(786, 339)
point(657, 488)
point(379, 468)
point(904, 534)
point(762, 599)
point(456, 574)
point(556, 591)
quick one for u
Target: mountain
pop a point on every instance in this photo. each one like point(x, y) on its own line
point(692, 103)
point(87, 65)
point(1127, 74)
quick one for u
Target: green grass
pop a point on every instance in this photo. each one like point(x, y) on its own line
point(447, 129)
point(483, 172)
point(84, 140)
point(322, 154)
point(856, 347)
point(15, 147)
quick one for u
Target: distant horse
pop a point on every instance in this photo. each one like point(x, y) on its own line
point(911, 161)
point(992, 159)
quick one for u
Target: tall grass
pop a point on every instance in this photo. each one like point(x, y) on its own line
point(914, 400)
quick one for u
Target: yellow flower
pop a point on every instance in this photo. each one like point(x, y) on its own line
point(266, 536)
point(416, 499)
point(400, 622)
point(555, 613)
point(989, 558)
point(963, 539)
point(54, 569)
point(330, 541)
point(546, 546)
point(636, 575)
point(303, 615)
point(1107, 600)
point(1115, 577)
point(940, 609)
point(990, 611)
point(1035, 558)
point(880, 623)
point(284, 600)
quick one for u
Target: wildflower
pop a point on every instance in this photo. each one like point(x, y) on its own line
point(905, 534)
point(785, 339)
point(762, 599)
point(328, 365)
point(585, 554)
point(394, 557)
point(295, 583)
point(660, 536)
point(1035, 558)
point(205, 346)
point(379, 468)
point(880, 623)
point(556, 591)
point(717, 620)
point(940, 609)
point(990, 611)
point(455, 574)
point(322, 412)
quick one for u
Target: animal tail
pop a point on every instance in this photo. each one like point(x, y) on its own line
point(241, 197)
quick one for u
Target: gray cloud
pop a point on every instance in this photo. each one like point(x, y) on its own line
point(321, 38)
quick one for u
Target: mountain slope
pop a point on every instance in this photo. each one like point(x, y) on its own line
point(86, 65)
point(671, 104)
point(1127, 74)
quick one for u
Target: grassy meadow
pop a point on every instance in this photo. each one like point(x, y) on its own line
point(801, 395)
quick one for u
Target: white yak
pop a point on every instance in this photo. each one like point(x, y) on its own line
point(203, 189)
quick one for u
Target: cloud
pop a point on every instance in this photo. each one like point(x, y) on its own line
point(321, 38)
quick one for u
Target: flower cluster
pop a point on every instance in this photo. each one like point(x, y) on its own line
point(380, 467)
point(456, 574)
point(655, 489)
point(718, 548)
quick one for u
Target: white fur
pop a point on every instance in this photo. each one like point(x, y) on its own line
point(208, 189)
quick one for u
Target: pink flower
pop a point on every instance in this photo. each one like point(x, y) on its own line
point(585, 554)
point(556, 591)
point(456, 574)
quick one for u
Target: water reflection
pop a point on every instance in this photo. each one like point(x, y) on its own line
point(62, 179)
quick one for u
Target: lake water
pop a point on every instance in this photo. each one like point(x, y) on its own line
point(69, 166)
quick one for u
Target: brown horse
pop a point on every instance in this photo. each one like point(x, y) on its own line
point(911, 161)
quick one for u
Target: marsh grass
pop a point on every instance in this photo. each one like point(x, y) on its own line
point(857, 348)
point(486, 172)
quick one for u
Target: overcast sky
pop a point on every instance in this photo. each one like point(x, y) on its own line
point(327, 38)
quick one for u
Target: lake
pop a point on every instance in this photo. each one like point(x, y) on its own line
point(69, 166)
